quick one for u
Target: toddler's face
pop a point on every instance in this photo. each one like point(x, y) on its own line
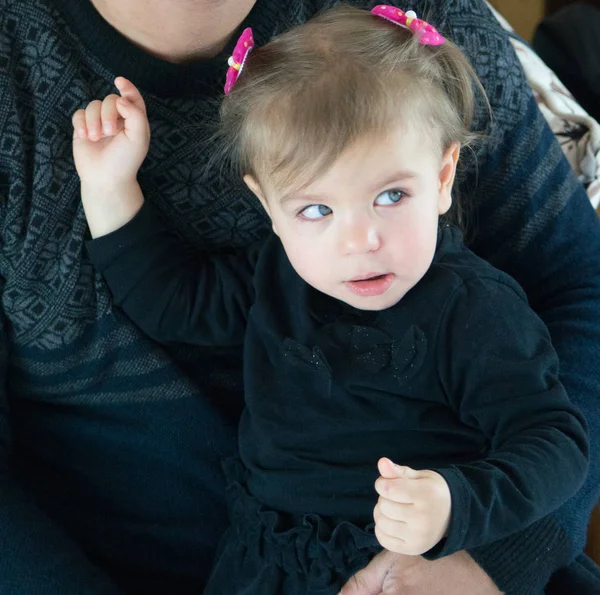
point(365, 232)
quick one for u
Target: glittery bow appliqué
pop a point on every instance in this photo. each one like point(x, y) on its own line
point(357, 353)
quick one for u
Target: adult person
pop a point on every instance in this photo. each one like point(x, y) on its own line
point(111, 446)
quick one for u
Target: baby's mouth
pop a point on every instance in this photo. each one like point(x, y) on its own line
point(371, 284)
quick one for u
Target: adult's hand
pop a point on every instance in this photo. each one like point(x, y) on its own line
point(397, 574)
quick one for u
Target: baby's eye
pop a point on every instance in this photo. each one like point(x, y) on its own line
point(389, 197)
point(315, 212)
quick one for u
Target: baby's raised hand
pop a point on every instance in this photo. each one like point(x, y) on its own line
point(111, 138)
point(110, 142)
point(413, 510)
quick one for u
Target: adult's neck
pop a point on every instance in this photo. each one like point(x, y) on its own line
point(178, 30)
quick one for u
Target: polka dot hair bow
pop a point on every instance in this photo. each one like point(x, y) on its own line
point(427, 34)
point(237, 60)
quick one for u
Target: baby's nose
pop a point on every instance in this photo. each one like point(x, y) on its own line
point(359, 237)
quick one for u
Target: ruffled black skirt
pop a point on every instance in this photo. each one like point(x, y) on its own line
point(270, 553)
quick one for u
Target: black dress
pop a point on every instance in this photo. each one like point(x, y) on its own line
point(459, 377)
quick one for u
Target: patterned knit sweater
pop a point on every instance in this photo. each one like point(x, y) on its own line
point(110, 445)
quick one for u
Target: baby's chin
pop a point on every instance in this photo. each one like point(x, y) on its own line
point(367, 303)
point(371, 304)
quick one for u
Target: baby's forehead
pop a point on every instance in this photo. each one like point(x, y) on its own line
point(401, 153)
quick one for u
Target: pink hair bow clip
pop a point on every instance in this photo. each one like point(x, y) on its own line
point(427, 34)
point(237, 60)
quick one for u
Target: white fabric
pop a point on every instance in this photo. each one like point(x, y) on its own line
point(576, 131)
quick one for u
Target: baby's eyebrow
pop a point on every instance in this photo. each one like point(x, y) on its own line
point(319, 198)
point(312, 198)
point(396, 177)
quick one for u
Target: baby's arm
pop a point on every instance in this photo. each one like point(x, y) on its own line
point(500, 373)
point(110, 142)
point(169, 291)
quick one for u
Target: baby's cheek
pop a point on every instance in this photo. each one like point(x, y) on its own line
point(310, 266)
point(415, 254)
point(301, 257)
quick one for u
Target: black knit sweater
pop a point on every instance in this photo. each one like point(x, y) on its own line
point(110, 445)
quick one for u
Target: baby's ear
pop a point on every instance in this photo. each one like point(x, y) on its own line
point(447, 173)
point(254, 186)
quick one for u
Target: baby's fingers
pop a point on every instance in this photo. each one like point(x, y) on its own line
point(392, 543)
point(109, 115)
point(97, 120)
point(92, 120)
point(135, 121)
point(79, 125)
point(393, 510)
point(399, 490)
point(130, 92)
point(399, 536)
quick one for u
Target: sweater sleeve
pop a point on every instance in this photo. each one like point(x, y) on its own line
point(172, 293)
point(500, 374)
point(543, 231)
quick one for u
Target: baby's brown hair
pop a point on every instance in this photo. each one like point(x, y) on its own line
point(347, 74)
